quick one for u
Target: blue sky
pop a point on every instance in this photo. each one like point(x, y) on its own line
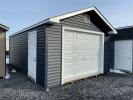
point(18, 14)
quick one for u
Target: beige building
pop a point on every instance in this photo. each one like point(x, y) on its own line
point(3, 30)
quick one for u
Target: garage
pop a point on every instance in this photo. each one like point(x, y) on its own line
point(82, 50)
point(63, 48)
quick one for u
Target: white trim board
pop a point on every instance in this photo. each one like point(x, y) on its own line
point(57, 19)
point(101, 59)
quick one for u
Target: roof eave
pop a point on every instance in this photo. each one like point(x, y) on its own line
point(112, 32)
point(57, 19)
point(33, 26)
point(4, 27)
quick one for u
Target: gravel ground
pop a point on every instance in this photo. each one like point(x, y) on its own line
point(104, 87)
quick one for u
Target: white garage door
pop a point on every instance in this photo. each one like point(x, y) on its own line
point(123, 55)
point(82, 54)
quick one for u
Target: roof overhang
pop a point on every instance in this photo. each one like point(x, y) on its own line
point(125, 27)
point(57, 19)
point(4, 27)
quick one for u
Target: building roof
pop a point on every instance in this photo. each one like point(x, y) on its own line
point(4, 27)
point(56, 19)
point(131, 26)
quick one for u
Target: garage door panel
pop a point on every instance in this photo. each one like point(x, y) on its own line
point(79, 36)
point(123, 55)
point(69, 54)
point(69, 35)
point(68, 60)
point(75, 75)
point(69, 47)
point(80, 54)
point(69, 41)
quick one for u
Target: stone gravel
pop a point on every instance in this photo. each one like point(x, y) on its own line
point(104, 87)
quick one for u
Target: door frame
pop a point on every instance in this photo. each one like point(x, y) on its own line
point(101, 59)
point(32, 32)
point(115, 52)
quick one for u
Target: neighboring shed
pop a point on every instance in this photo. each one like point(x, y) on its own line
point(63, 48)
point(123, 49)
point(3, 30)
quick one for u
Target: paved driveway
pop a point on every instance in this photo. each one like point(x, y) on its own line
point(105, 87)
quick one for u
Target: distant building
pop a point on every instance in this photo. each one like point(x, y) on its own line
point(3, 30)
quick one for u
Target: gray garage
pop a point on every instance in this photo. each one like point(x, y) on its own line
point(63, 48)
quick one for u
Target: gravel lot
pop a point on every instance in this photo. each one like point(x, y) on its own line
point(104, 87)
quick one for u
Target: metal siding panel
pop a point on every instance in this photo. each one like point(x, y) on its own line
point(81, 25)
point(55, 46)
point(108, 55)
point(123, 34)
point(41, 55)
point(78, 21)
point(54, 55)
point(19, 52)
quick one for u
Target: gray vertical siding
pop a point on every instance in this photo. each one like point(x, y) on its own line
point(55, 46)
point(19, 52)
